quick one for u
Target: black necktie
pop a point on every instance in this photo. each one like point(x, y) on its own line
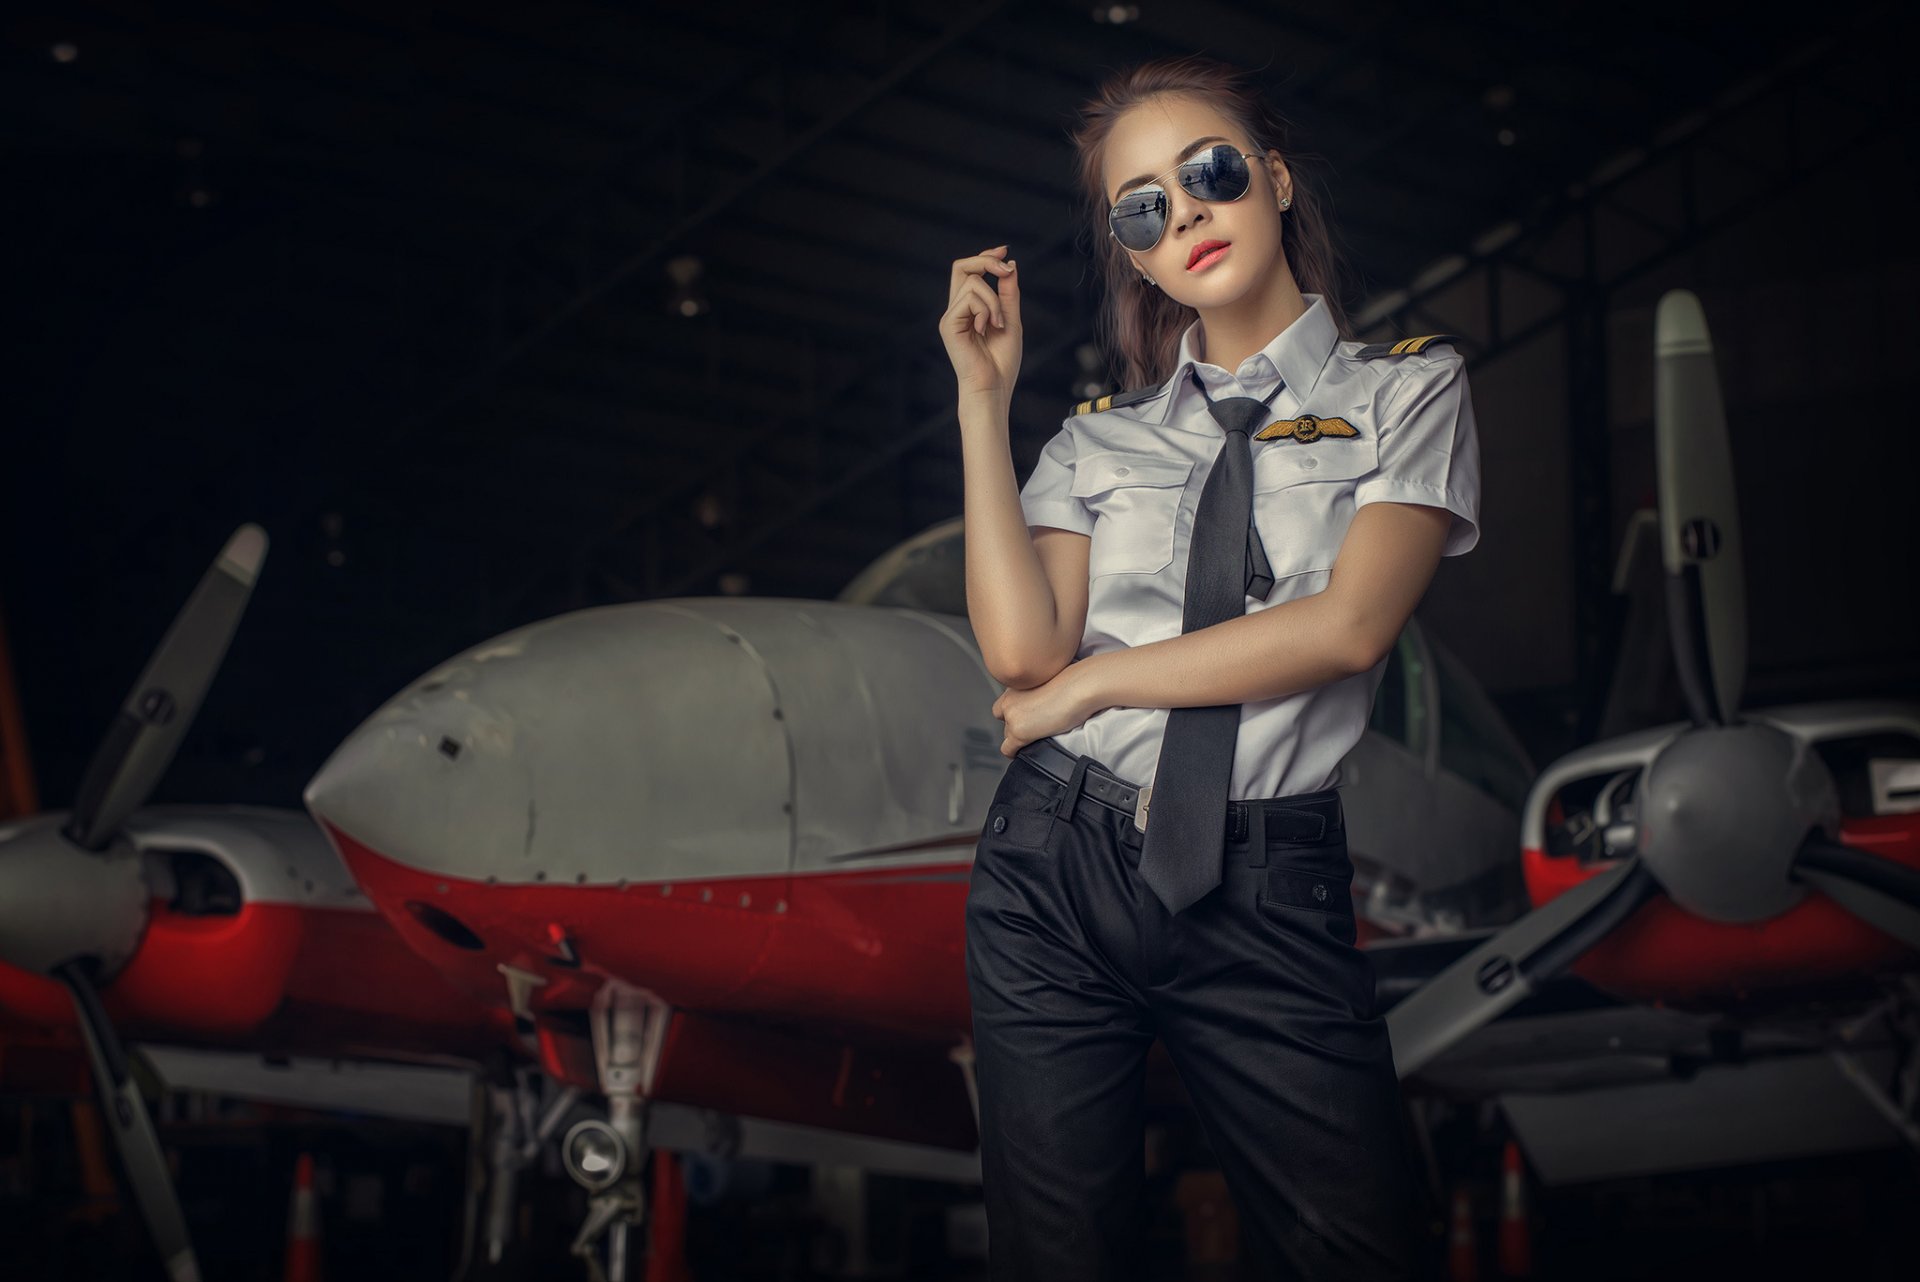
point(1187, 811)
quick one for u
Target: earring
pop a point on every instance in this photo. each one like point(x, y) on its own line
point(1149, 280)
point(1285, 201)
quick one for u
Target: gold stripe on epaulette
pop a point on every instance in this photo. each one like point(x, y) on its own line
point(1115, 400)
point(1414, 346)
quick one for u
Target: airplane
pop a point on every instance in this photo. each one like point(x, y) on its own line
point(1733, 854)
point(711, 854)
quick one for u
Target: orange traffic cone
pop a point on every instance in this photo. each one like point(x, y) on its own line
point(1463, 1256)
point(96, 1169)
point(303, 1226)
point(1516, 1242)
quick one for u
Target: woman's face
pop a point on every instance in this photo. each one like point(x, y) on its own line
point(1146, 145)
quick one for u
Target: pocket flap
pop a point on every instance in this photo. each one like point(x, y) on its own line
point(1280, 463)
point(1320, 892)
point(1107, 469)
point(1014, 825)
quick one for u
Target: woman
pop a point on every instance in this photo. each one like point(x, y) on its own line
point(1228, 931)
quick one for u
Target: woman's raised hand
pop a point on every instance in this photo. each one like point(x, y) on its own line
point(982, 327)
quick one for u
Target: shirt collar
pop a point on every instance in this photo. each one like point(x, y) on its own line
point(1296, 354)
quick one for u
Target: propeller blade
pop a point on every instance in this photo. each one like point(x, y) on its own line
point(1877, 891)
point(133, 1133)
point(1507, 967)
point(143, 738)
point(1699, 518)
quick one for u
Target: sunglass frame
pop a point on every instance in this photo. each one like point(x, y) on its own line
point(1199, 162)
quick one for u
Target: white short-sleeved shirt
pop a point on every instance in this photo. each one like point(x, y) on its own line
point(1130, 477)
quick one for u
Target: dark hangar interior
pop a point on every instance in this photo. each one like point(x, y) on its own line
point(488, 313)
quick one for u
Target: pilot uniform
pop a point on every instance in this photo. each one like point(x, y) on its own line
point(1264, 1002)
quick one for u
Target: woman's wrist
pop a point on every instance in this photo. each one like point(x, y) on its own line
point(1088, 684)
point(982, 410)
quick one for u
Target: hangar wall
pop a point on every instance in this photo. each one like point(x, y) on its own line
point(1812, 299)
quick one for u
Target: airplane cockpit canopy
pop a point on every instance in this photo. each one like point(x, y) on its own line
point(926, 572)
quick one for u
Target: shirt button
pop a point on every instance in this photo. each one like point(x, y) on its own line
point(1121, 471)
point(1309, 462)
point(999, 823)
point(1320, 891)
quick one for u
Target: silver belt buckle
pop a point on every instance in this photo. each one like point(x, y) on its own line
point(1140, 807)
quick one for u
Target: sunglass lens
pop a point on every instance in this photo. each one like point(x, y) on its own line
point(1219, 175)
point(1139, 218)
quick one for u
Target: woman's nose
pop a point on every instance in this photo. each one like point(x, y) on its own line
point(1186, 209)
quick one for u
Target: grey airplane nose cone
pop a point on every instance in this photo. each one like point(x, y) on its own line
point(59, 902)
point(588, 746)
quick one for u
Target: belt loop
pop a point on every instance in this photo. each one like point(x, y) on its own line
point(1256, 835)
point(1064, 808)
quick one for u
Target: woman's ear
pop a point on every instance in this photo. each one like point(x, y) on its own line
point(1282, 180)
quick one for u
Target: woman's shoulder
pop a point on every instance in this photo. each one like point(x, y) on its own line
point(1377, 374)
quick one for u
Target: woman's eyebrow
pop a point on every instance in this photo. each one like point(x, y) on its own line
point(1183, 154)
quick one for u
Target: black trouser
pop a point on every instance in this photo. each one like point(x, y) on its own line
point(1265, 1006)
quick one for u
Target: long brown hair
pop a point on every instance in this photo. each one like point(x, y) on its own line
point(1139, 326)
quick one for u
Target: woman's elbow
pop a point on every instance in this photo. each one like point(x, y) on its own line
point(1023, 673)
point(1012, 675)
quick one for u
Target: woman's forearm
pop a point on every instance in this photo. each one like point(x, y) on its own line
point(1009, 601)
point(1294, 646)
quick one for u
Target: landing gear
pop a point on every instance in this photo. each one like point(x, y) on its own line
point(1899, 1103)
point(607, 1158)
point(516, 1117)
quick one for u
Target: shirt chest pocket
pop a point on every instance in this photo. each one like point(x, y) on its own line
point(1135, 499)
point(1303, 499)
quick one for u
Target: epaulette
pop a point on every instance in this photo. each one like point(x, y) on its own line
point(1113, 400)
point(1406, 346)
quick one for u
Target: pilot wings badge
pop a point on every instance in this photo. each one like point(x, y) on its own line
point(1306, 429)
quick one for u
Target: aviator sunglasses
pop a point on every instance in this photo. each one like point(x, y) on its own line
point(1219, 174)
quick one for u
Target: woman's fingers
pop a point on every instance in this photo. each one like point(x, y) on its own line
point(979, 265)
point(995, 305)
point(988, 303)
point(971, 309)
point(968, 308)
point(974, 305)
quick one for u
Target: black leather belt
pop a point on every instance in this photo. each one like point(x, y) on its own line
point(1305, 816)
point(1104, 787)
